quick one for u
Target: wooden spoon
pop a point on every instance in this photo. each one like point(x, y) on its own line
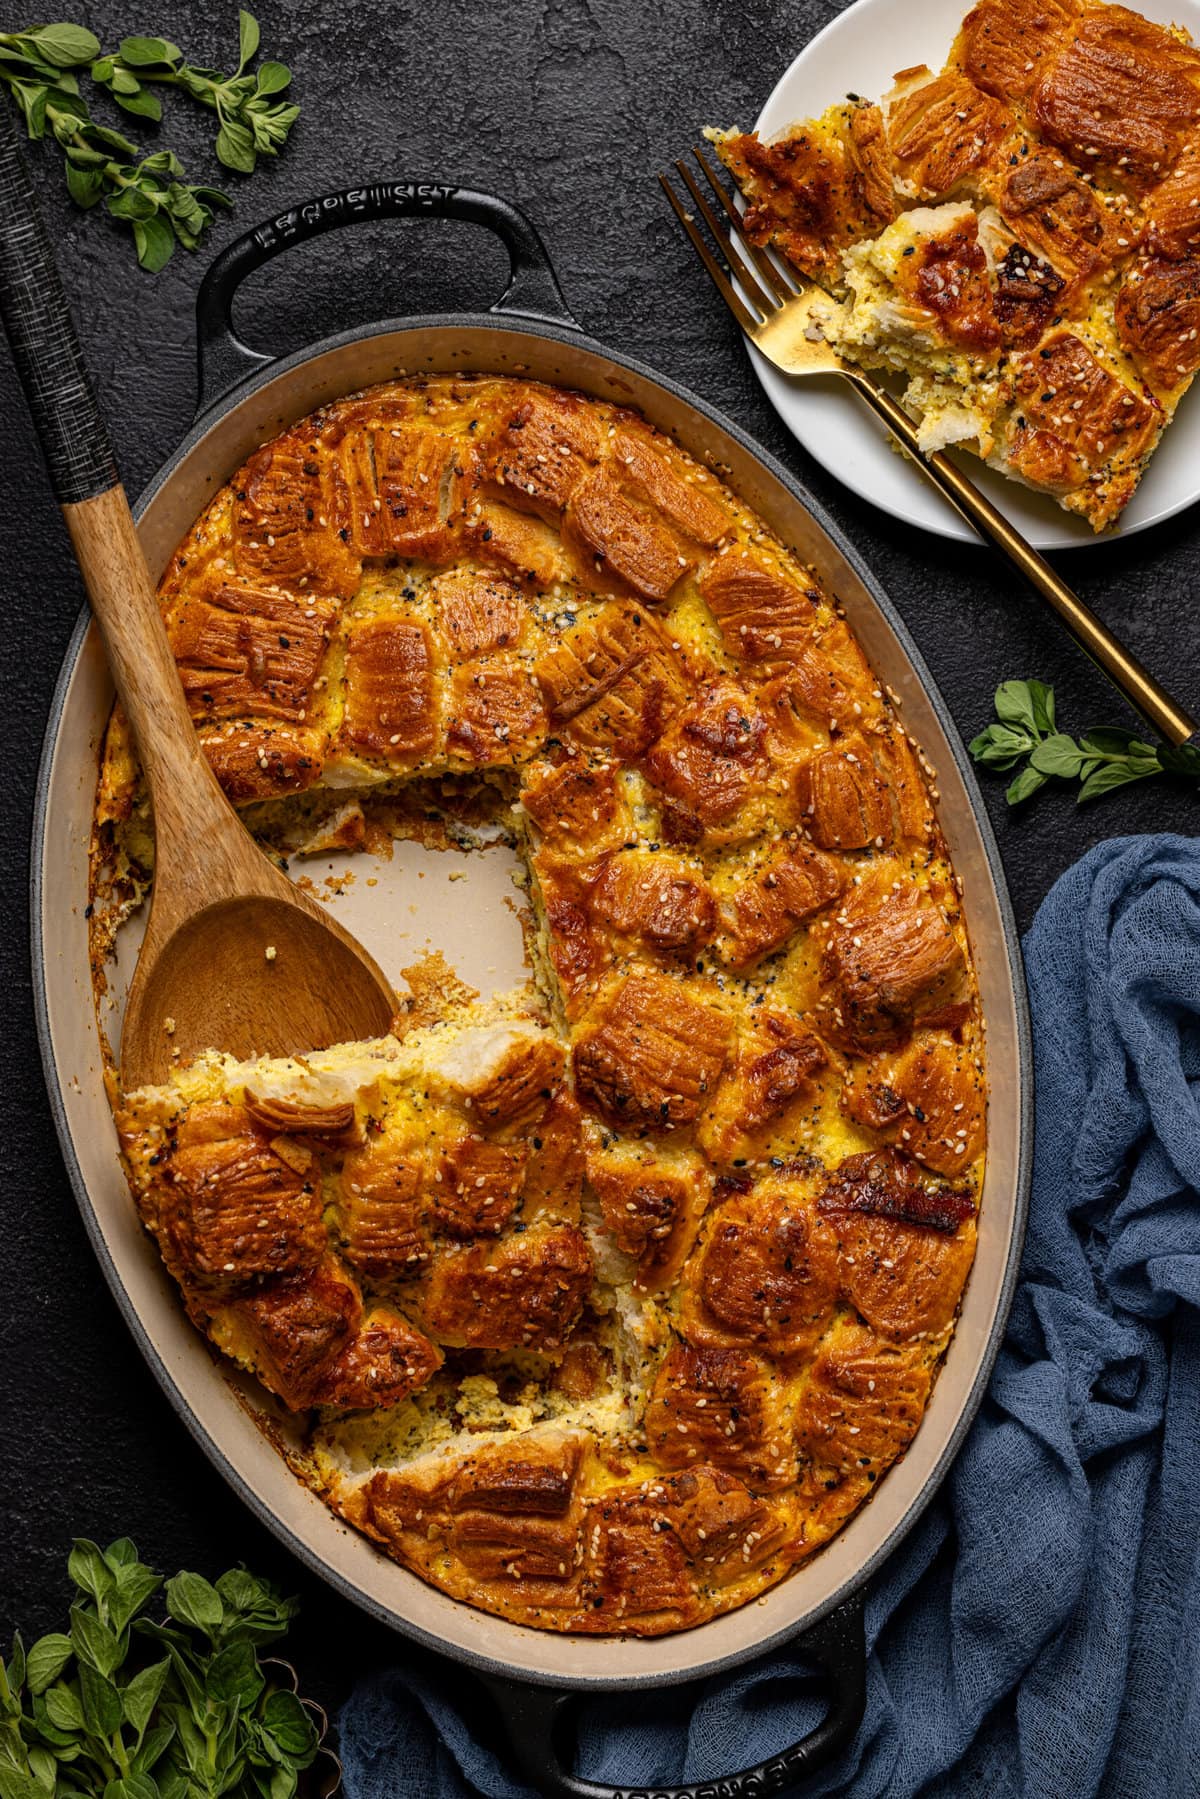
point(235, 957)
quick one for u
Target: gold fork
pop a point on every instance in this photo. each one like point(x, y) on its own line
point(777, 314)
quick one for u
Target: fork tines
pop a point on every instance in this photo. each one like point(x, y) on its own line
point(765, 285)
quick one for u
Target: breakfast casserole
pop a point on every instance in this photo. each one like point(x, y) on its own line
point(606, 1301)
point(1016, 235)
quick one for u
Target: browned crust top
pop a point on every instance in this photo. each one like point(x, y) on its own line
point(765, 1095)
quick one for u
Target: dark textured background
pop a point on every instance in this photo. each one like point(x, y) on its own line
point(568, 107)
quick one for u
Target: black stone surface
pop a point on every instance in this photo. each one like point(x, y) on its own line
point(567, 107)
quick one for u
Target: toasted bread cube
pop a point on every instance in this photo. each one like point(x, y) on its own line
point(391, 705)
point(651, 1052)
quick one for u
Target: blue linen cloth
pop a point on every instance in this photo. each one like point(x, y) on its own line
point(1037, 1635)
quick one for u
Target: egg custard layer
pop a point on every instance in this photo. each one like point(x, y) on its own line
point(605, 1302)
point(1018, 234)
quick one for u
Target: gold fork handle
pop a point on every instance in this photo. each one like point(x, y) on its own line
point(1125, 671)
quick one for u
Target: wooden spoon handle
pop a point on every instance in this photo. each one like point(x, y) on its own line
point(49, 362)
point(188, 804)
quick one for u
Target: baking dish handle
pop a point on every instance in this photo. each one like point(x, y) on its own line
point(535, 1723)
point(224, 360)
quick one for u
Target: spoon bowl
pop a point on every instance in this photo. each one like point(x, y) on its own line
point(286, 980)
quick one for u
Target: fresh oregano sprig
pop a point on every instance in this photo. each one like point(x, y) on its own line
point(1026, 730)
point(120, 1706)
point(252, 122)
point(152, 195)
point(41, 67)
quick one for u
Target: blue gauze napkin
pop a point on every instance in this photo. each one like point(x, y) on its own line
point(1038, 1632)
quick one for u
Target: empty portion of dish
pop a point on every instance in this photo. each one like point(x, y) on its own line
point(1017, 234)
point(611, 1299)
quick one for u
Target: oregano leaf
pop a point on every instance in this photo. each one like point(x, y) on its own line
point(85, 186)
point(140, 103)
point(235, 147)
point(1025, 785)
point(94, 1643)
point(64, 46)
point(100, 1700)
point(1111, 775)
point(89, 1570)
point(148, 52)
point(154, 1744)
point(272, 77)
point(140, 1694)
point(1180, 759)
point(289, 1726)
point(1057, 755)
point(132, 1786)
point(17, 1668)
point(1015, 705)
point(1001, 745)
point(248, 38)
point(155, 243)
point(132, 203)
point(63, 1708)
point(234, 1677)
point(193, 1600)
point(1041, 699)
point(42, 1766)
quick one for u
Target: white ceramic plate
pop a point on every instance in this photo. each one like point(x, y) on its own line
point(859, 52)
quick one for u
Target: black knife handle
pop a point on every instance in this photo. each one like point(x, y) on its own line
point(45, 349)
